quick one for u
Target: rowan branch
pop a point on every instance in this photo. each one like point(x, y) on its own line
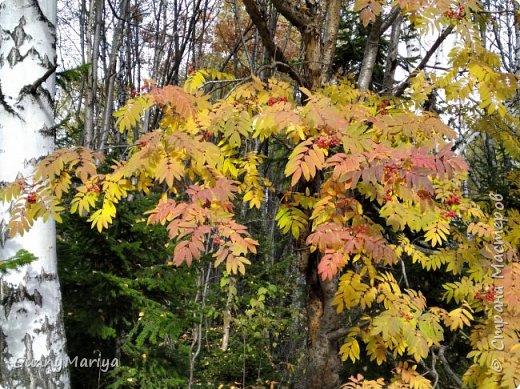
point(280, 66)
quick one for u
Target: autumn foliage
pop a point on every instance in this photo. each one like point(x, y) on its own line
point(388, 194)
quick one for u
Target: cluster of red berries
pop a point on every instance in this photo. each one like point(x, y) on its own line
point(273, 100)
point(326, 142)
point(32, 197)
point(93, 188)
point(390, 170)
point(453, 200)
point(382, 108)
point(218, 240)
point(133, 92)
point(355, 230)
point(450, 214)
point(488, 296)
point(456, 13)
point(388, 196)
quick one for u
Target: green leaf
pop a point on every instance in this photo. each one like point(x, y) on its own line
point(22, 257)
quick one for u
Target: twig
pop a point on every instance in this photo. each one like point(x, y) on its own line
point(258, 19)
point(403, 268)
point(447, 367)
point(403, 85)
point(242, 39)
point(390, 19)
point(336, 334)
point(32, 89)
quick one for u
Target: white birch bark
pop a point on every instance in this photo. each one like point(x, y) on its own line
point(32, 339)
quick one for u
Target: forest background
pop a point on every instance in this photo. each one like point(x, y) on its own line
point(323, 167)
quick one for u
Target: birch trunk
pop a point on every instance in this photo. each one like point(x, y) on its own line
point(32, 340)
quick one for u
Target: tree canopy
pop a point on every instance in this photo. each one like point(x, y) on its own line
point(379, 137)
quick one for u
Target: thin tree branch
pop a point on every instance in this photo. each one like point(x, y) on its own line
point(387, 23)
point(260, 22)
point(280, 66)
point(403, 85)
point(235, 48)
point(336, 334)
point(447, 367)
point(405, 277)
point(391, 60)
point(33, 88)
point(242, 38)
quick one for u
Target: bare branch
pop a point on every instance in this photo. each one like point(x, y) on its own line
point(403, 268)
point(336, 334)
point(387, 23)
point(403, 85)
point(453, 376)
point(391, 60)
point(291, 12)
point(33, 88)
point(260, 22)
point(242, 38)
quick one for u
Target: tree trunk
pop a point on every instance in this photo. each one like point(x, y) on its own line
point(370, 57)
point(91, 109)
point(111, 76)
point(393, 54)
point(323, 361)
point(32, 340)
point(318, 24)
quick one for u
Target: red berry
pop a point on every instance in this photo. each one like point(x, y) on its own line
point(490, 296)
point(451, 214)
point(32, 197)
point(453, 200)
point(94, 188)
point(323, 142)
point(334, 141)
